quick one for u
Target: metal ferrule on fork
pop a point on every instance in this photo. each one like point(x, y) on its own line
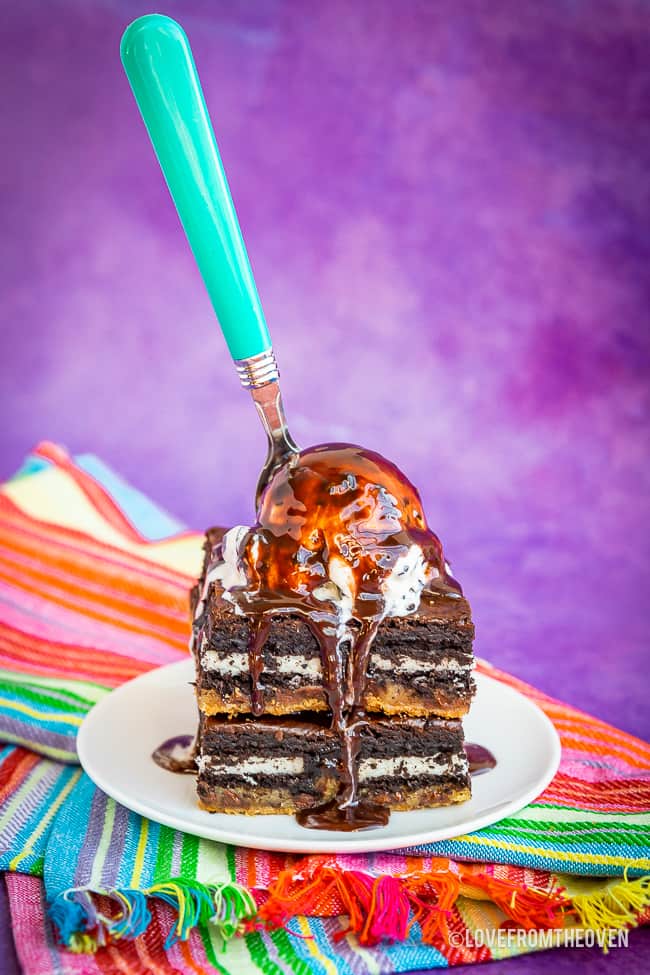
point(257, 370)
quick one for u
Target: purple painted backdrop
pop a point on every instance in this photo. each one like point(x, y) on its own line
point(446, 207)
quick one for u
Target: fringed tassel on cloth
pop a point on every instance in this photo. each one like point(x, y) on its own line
point(616, 906)
point(528, 906)
point(84, 927)
point(378, 908)
point(386, 907)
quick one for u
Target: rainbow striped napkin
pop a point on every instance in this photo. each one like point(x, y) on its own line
point(93, 591)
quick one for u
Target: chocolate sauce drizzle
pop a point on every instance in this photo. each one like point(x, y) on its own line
point(339, 510)
point(259, 631)
point(480, 759)
point(177, 754)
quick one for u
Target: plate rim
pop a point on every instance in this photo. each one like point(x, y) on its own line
point(312, 843)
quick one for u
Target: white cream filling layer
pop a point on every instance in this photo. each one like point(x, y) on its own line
point(253, 766)
point(369, 768)
point(413, 665)
point(377, 768)
point(234, 664)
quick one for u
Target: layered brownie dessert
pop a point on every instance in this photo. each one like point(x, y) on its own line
point(333, 651)
point(283, 765)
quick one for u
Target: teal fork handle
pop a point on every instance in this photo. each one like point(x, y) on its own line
point(158, 62)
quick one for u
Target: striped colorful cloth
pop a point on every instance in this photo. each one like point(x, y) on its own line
point(94, 581)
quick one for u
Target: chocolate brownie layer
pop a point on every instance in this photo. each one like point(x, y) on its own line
point(269, 765)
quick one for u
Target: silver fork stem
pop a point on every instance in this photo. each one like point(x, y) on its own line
point(260, 375)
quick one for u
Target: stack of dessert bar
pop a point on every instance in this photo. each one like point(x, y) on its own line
point(419, 685)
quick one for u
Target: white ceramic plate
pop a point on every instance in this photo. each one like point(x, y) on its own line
point(118, 736)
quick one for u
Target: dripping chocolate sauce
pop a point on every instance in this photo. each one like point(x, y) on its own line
point(343, 501)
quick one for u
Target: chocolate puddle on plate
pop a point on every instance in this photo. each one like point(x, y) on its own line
point(177, 755)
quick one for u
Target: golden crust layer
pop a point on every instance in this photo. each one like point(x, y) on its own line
point(273, 802)
point(264, 801)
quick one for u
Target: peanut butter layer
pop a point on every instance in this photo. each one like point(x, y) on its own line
point(273, 802)
point(389, 698)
